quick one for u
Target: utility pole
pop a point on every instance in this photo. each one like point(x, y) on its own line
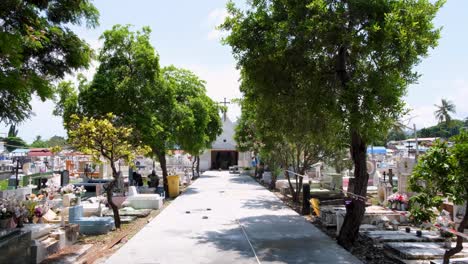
point(17, 169)
point(416, 142)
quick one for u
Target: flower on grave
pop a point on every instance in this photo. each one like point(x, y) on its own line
point(80, 190)
point(398, 198)
point(8, 207)
point(67, 189)
point(40, 210)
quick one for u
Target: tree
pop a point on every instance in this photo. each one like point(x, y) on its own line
point(355, 56)
point(100, 137)
point(195, 116)
point(128, 84)
point(12, 143)
point(56, 141)
point(38, 48)
point(13, 131)
point(443, 111)
point(442, 173)
point(442, 130)
point(39, 143)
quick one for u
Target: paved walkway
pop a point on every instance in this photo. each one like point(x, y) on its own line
point(231, 219)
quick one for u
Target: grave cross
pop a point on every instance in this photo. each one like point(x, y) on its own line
point(224, 110)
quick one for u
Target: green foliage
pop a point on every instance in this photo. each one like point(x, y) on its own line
point(39, 143)
point(441, 172)
point(332, 67)
point(442, 129)
point(56, 141)
point(37, 48)
point(12, 131)
point(396, 135)
point(195, 116)
point(13, 143)
point(100, 137)
point(443, 111)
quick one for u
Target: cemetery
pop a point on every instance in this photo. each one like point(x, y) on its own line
point(69, 201)
point(319, 131)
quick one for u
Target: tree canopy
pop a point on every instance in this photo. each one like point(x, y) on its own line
point(165, 108)
point(350, 59)
point(443, 111)
point(38, 48)
point(100, 137)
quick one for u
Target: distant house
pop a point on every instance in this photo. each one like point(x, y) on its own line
point(19, 152)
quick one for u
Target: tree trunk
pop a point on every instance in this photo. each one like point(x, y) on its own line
point(291, 188)
point(198, 166)
point(355, 211)
point(193, 167)
point(162, 162)
point(109, 193)
point(459, 246)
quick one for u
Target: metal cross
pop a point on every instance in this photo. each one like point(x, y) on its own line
point(224, 110)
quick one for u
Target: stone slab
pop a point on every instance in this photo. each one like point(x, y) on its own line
point(127, 219)
point(452, 261)
point(381, 236)
point(39, 230)
point(421, 250)
point(129, 211)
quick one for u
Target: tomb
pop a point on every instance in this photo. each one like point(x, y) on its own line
point(381, 236)
point(416, 252)
point(143, 201)
point(92, 225)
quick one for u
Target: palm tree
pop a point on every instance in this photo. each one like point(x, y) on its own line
point(443, 111)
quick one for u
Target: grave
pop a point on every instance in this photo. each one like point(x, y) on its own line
point(15, 246)
point(92, 225)
point(143, 201)
point(129, 211)
point(374, 214)
point(19, 194)
point(417, 252)
point(381, 236)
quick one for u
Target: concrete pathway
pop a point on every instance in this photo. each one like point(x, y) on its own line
point(229, 218)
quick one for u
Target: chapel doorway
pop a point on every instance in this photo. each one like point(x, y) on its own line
point(223, 159)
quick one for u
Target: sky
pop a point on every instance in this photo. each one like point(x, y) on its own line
point(184, 34)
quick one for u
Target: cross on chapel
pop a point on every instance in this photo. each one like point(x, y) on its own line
point(224, 110)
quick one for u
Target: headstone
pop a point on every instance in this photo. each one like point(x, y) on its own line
point(64, 177)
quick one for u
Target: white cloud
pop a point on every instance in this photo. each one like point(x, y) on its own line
point(215, 18)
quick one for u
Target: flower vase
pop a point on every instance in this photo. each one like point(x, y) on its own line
point(394, 205)
point(398, 206)
point(66, 199)
point(20, 222)
point(403, 207)
point(78, 200)
point(447, 242)
point(40, 220)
